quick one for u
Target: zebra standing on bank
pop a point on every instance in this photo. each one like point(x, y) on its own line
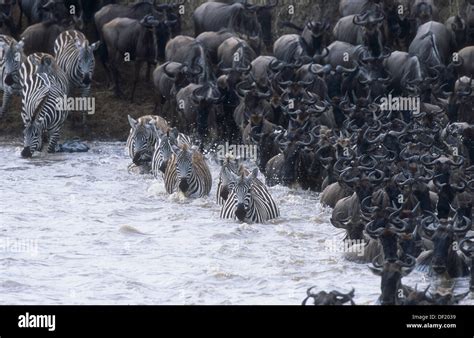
point(143, 137)
point(11, 57)
point(43, 86)
point(188, 172)
point(168, 144)
point(76, 58)
point(249, 199)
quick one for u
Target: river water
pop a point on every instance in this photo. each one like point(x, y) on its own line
point(80, 229)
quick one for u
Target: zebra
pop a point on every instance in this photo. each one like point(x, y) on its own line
point(143, 137)
point(43, 86)
point(168, 144)
point(11, 57)
point(229, 167)
point(188, 172)
point(76, 58)
point(249, 199)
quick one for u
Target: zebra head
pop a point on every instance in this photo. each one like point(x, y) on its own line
point(33, 137)
point(164, 149)
point(13, 56)
point(241, 188)
point(228, 172)
point(86, 62)
point(142, 137)
point(184, 168)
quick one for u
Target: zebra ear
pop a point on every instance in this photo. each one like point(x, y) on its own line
point(132, 121)
point(21, 44)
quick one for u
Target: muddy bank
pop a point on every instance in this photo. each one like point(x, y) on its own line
point(110, 119)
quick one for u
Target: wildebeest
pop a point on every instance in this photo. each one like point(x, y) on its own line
point(238, 17)
point(362, 29)
point(292, 48)
point(134, 40)
point(189, 51)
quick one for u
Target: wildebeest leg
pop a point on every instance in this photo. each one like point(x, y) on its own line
point(53, 140)
point(115, 75)
point(5, 103)
point(138, 66)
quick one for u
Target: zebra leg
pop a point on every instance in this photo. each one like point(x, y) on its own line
point(53, 140)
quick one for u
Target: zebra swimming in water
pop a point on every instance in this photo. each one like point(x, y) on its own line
point(168, 144)
point(230, 166)
point(43, 85)
point(143, 137)
point(76, 58)
point(248, 199)
point(11, 57)
point(188, 172)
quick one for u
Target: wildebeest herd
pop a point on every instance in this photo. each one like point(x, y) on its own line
point(373, 110)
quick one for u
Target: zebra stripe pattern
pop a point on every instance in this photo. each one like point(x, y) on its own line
point(189, 173)
point(143, 137)
point(167, 145)
point(75, 57)
point(229, 169)
point(11, 57)
point(43, 86)
point(249, 200)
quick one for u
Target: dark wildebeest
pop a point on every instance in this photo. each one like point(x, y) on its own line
point(362, 29)
point(405, 71)
point(198, 108)
point(294, 48)
point(168, 79)
point(238, 17)
point(40, 37)
point(189, 51)
point(467, 56)
point(235, 51)
point(134, 40)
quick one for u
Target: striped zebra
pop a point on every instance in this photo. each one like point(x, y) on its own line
point(76, 58)
point(249, 199)
point(188, 172)
point(229, 169)
point(143, 137)
point(11, 57)
point(43, 86)
point(168, 144)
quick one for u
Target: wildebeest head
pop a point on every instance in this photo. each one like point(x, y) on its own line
point(205, 97)
point(325, 298)
point(391, 281)
point(443, 233)
point(245, 20)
